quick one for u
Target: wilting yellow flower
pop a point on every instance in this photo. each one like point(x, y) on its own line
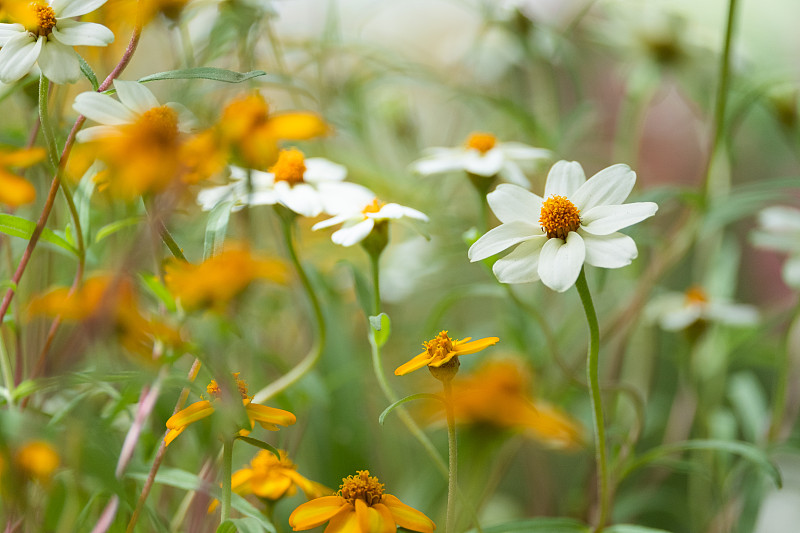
point(360, 506)
point(214, 282)
point(38, 460)
point(441, 350)
point(254, 132)
point(16, 191)
point(268, 417)
point(497, 395)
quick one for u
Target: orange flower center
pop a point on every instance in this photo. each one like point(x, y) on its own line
point(439, 346)
point(290, 166)
point(158, 125)
point(45, 19)
point(482, 142)
point(696, 295)
point(558, 217)
point(214, 392)
point(362, 486)
point(374, 207)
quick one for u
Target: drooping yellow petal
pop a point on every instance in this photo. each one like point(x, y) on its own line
point(15, 191)
point(370, 519)
point(388, 523)
point(311, 489)
point(269, 415)
point(272, 487)
point(172, 434)
point(22, 158)
point(406, 516)
point(414, 364)
point(345, 522)
point(463, 348)
point(193, 413)
point(297, 126)
point(317, 512)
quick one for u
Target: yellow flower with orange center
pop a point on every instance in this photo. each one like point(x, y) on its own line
point(271, 478)
point(268, 417)
point(442, 350)
point(216, 281)
point(360, 506)
point(14, 190)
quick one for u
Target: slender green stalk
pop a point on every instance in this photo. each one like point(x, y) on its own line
point(452, 449)
point(375, 260)
point(44, 118)
point(784, 368)
point(592, 375)
point(227, 472)
point(5, 366)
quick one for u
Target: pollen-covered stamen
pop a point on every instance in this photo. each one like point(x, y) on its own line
point(695, 296)
point(158, 125)
point(361, 486)
point(482, 142)
point(215, 393)
point(373, 207)
point(558, 217)
point(45, 19)
point(290, 167)
point(439, 346)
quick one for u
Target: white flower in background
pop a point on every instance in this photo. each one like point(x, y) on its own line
point(359, 220)
point(575, 223)
point(483, 156)
point(306, 186)
point(677, 311)
point(45, 34)
point(779, 229)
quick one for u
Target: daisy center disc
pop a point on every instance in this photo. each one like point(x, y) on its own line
point(696, 295)
point(482, 142)
point(373, 207)
point(290, 167)
point(558, 217)
point(45, 18)
point(439, 346)
point(361, 486)
point(159, 125)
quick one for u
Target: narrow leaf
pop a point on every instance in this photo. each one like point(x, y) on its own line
point(205, 73)
point(216, 227)
point(398, 403)
point(381, 329)
point(20, 227)
point(260, 444)
point(539, 525)
point(89, 73)
point(227, 527)
point(113, 227)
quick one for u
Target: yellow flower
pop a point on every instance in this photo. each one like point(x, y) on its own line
point(254, 132)
point(214, 282)
point(497, 395)
point(360, 506)
point(441, 350)
point(16, 191)
point(38, 460)
point(268, 417)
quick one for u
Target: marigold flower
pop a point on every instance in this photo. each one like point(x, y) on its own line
point(38, 460)
point(268, 417)
point(216, 281)
point(14, 190)
point(360, 506)
point(442, 349)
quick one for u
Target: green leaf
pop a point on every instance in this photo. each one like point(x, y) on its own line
point(539, 525)
point(204, 73)
point(248, 525)
point(381, 329)
point(630, 528)
point(89, 73)
point(113, 227)
point(25, 388)
point(8, 284)
point(743, 449)
point(159, 291)
point(20, 227)
point(216, 227)
point(260, 444)
point(398, 403)
point(227, 527)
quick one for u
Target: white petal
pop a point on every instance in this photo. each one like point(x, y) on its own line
point(18, 56)
point(302, 198)
point(74, 8)
point(609, 251)
point(263, 197)
point(59, 62)
point(564, 179)
point(610, 186)
point(680, 318)
point(780, 218)
point(350, 235)
point(74, 33)
point(607, 219)
point(395, 211)
point(511, 202)
point(521, 265)
point(781, 242)
point(208, 198)
point(319, 169)
point(488, 164)
point(511, 173)
point(9, 31)
point(103, 109)
point(135, 96)
point(333, 221)
point(339, 197)
point(96, 132)
point(561, 262)
point(791, 272)
point(444, 160)
point(187, 122)
point(502, 237)
point(733, 314)
point(523, 152)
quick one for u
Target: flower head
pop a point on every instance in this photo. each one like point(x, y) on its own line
point(268, 417)
point(360, 506)
point(272, 478)
point(14, 190)
point(576, 222)
point(779, 229)
point(44, 33)
point(441, 350)
point(677, 311)
point(37, 459)
point(482, 155)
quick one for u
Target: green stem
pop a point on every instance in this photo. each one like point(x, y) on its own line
point(592, 375)
point(169, 240)
point(784, 367)
point(375, 260)
point(452, 448)
point(314, 354)
point(227, 472)
point(44, 118)
point(5, 366)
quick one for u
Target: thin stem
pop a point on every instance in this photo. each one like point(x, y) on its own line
point(315, 352)
point(375, 260)
point(452, 449)
point(782, 385)
point(5, 366)
point(227, 471)
point(592, 376)
point(44, 119)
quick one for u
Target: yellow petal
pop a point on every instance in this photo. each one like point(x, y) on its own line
point(22, 158)
point(317, 512)
point(272, 487)
point(463, 348)
point(193, 413)
point(297, 126)
point(15, 191)
point(270, 415)
point(311, 489)
point(388, 524)
point(407, 517)
point(171, 434)
point(345, 522)
point(240, 481)
point(416, 363)
point(370, 520)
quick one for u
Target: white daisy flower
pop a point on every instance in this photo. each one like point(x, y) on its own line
point(483, 156)
point(779, 229)
point(359, 220)
point(575, 223)
point(677, 311)
point(306, 186)
point(46, 37)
